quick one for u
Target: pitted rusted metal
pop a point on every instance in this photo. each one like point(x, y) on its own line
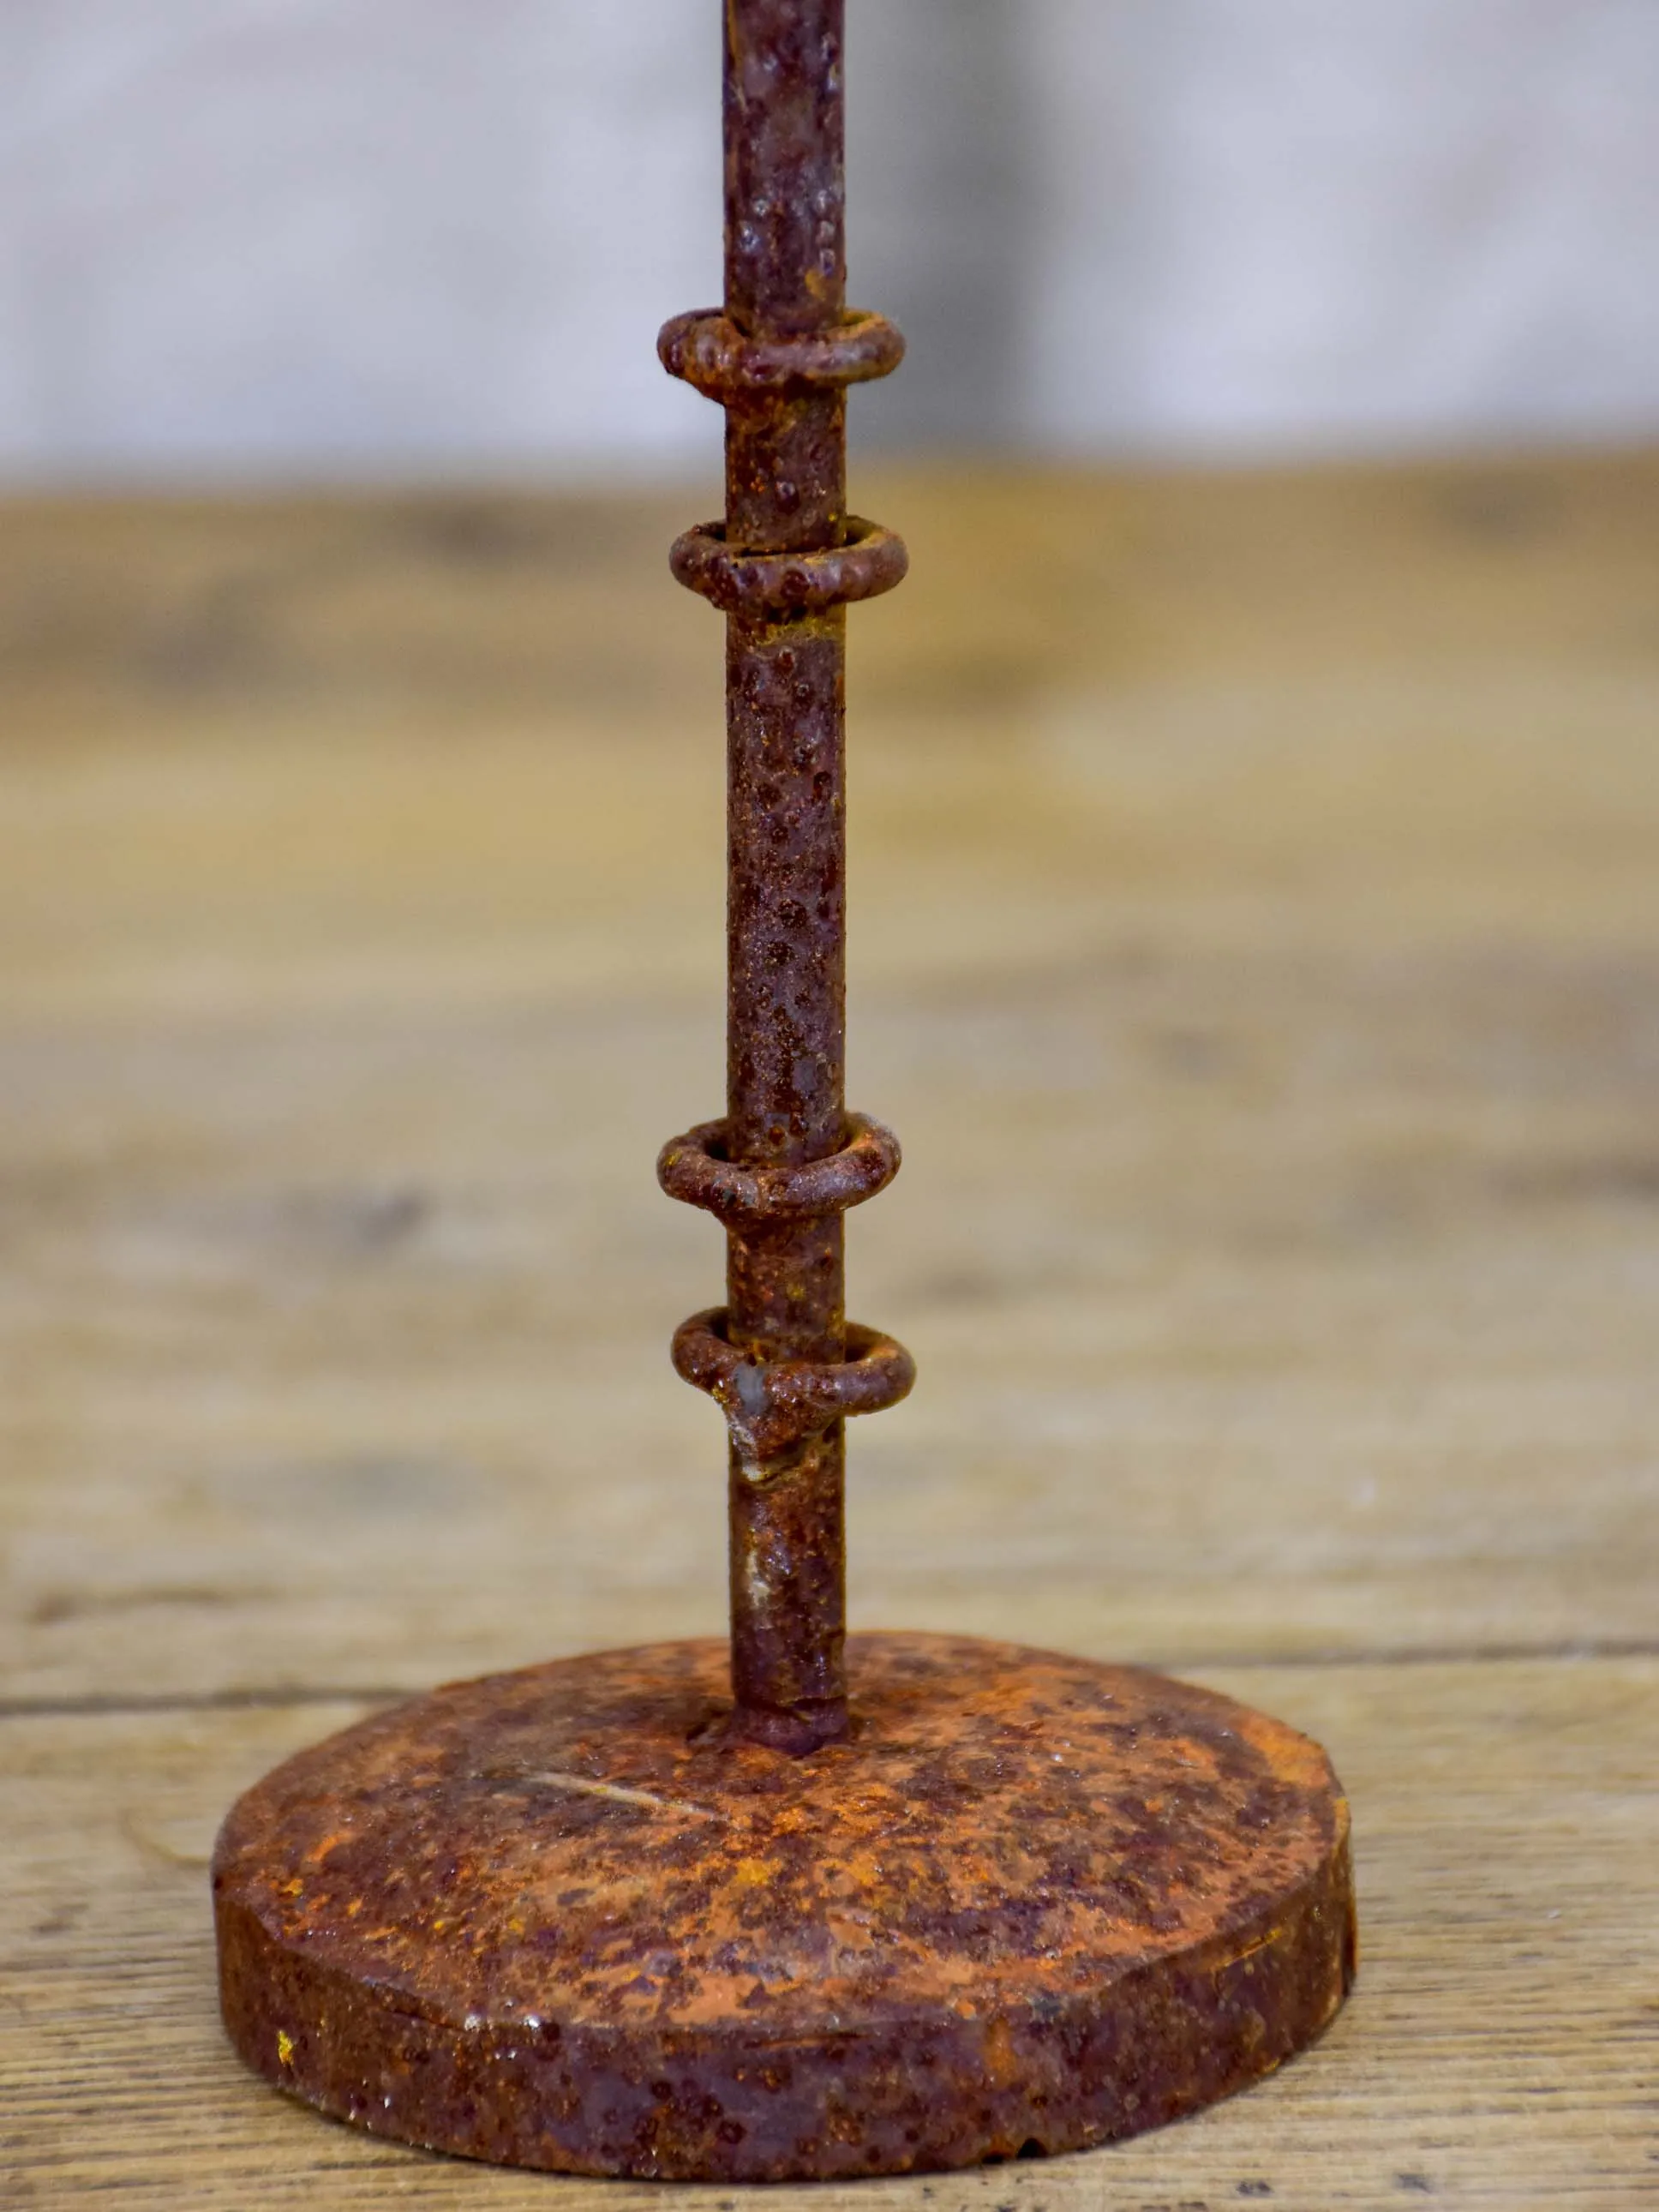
point(709, 350)
point(868, 562)
point(782, 566)
point(772, 1406)
point(605, 1916)
point(697, 1169)
point(561, 1918)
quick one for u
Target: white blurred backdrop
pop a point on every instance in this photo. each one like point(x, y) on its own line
point(302, 240)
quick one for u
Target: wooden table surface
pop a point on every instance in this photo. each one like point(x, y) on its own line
point(1256, 942)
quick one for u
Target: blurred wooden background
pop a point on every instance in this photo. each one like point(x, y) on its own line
point(1256, 910)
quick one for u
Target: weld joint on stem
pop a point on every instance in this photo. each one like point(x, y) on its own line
point(772, 1406)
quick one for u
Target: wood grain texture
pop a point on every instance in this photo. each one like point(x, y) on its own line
point(1256, 943)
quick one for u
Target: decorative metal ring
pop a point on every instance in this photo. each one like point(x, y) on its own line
point(772, 1405)
point(870, 560)
point(694, 1169)
point(712, 355)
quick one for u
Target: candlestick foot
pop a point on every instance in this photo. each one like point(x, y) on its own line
point(558, 1919)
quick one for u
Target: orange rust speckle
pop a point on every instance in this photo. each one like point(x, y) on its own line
point(1031, 1961)
point(1001, 2061)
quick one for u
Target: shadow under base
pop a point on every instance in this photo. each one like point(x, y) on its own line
point(552, 1919)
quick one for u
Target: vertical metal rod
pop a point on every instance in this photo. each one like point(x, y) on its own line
point(786, 466)
point(782, 566)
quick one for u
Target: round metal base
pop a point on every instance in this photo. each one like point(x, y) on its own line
point(554, 1919)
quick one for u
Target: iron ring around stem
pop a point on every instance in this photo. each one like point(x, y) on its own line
point(772, 1405)
point(869, 562)
point(708, 351)
point(695, 1169)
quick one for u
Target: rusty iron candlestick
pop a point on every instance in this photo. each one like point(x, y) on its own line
point(787, 1161)
point(808, 1905)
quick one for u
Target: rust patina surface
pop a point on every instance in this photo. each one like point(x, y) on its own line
point(560, 1918)
point(721, 1914)
point(787, 1160)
